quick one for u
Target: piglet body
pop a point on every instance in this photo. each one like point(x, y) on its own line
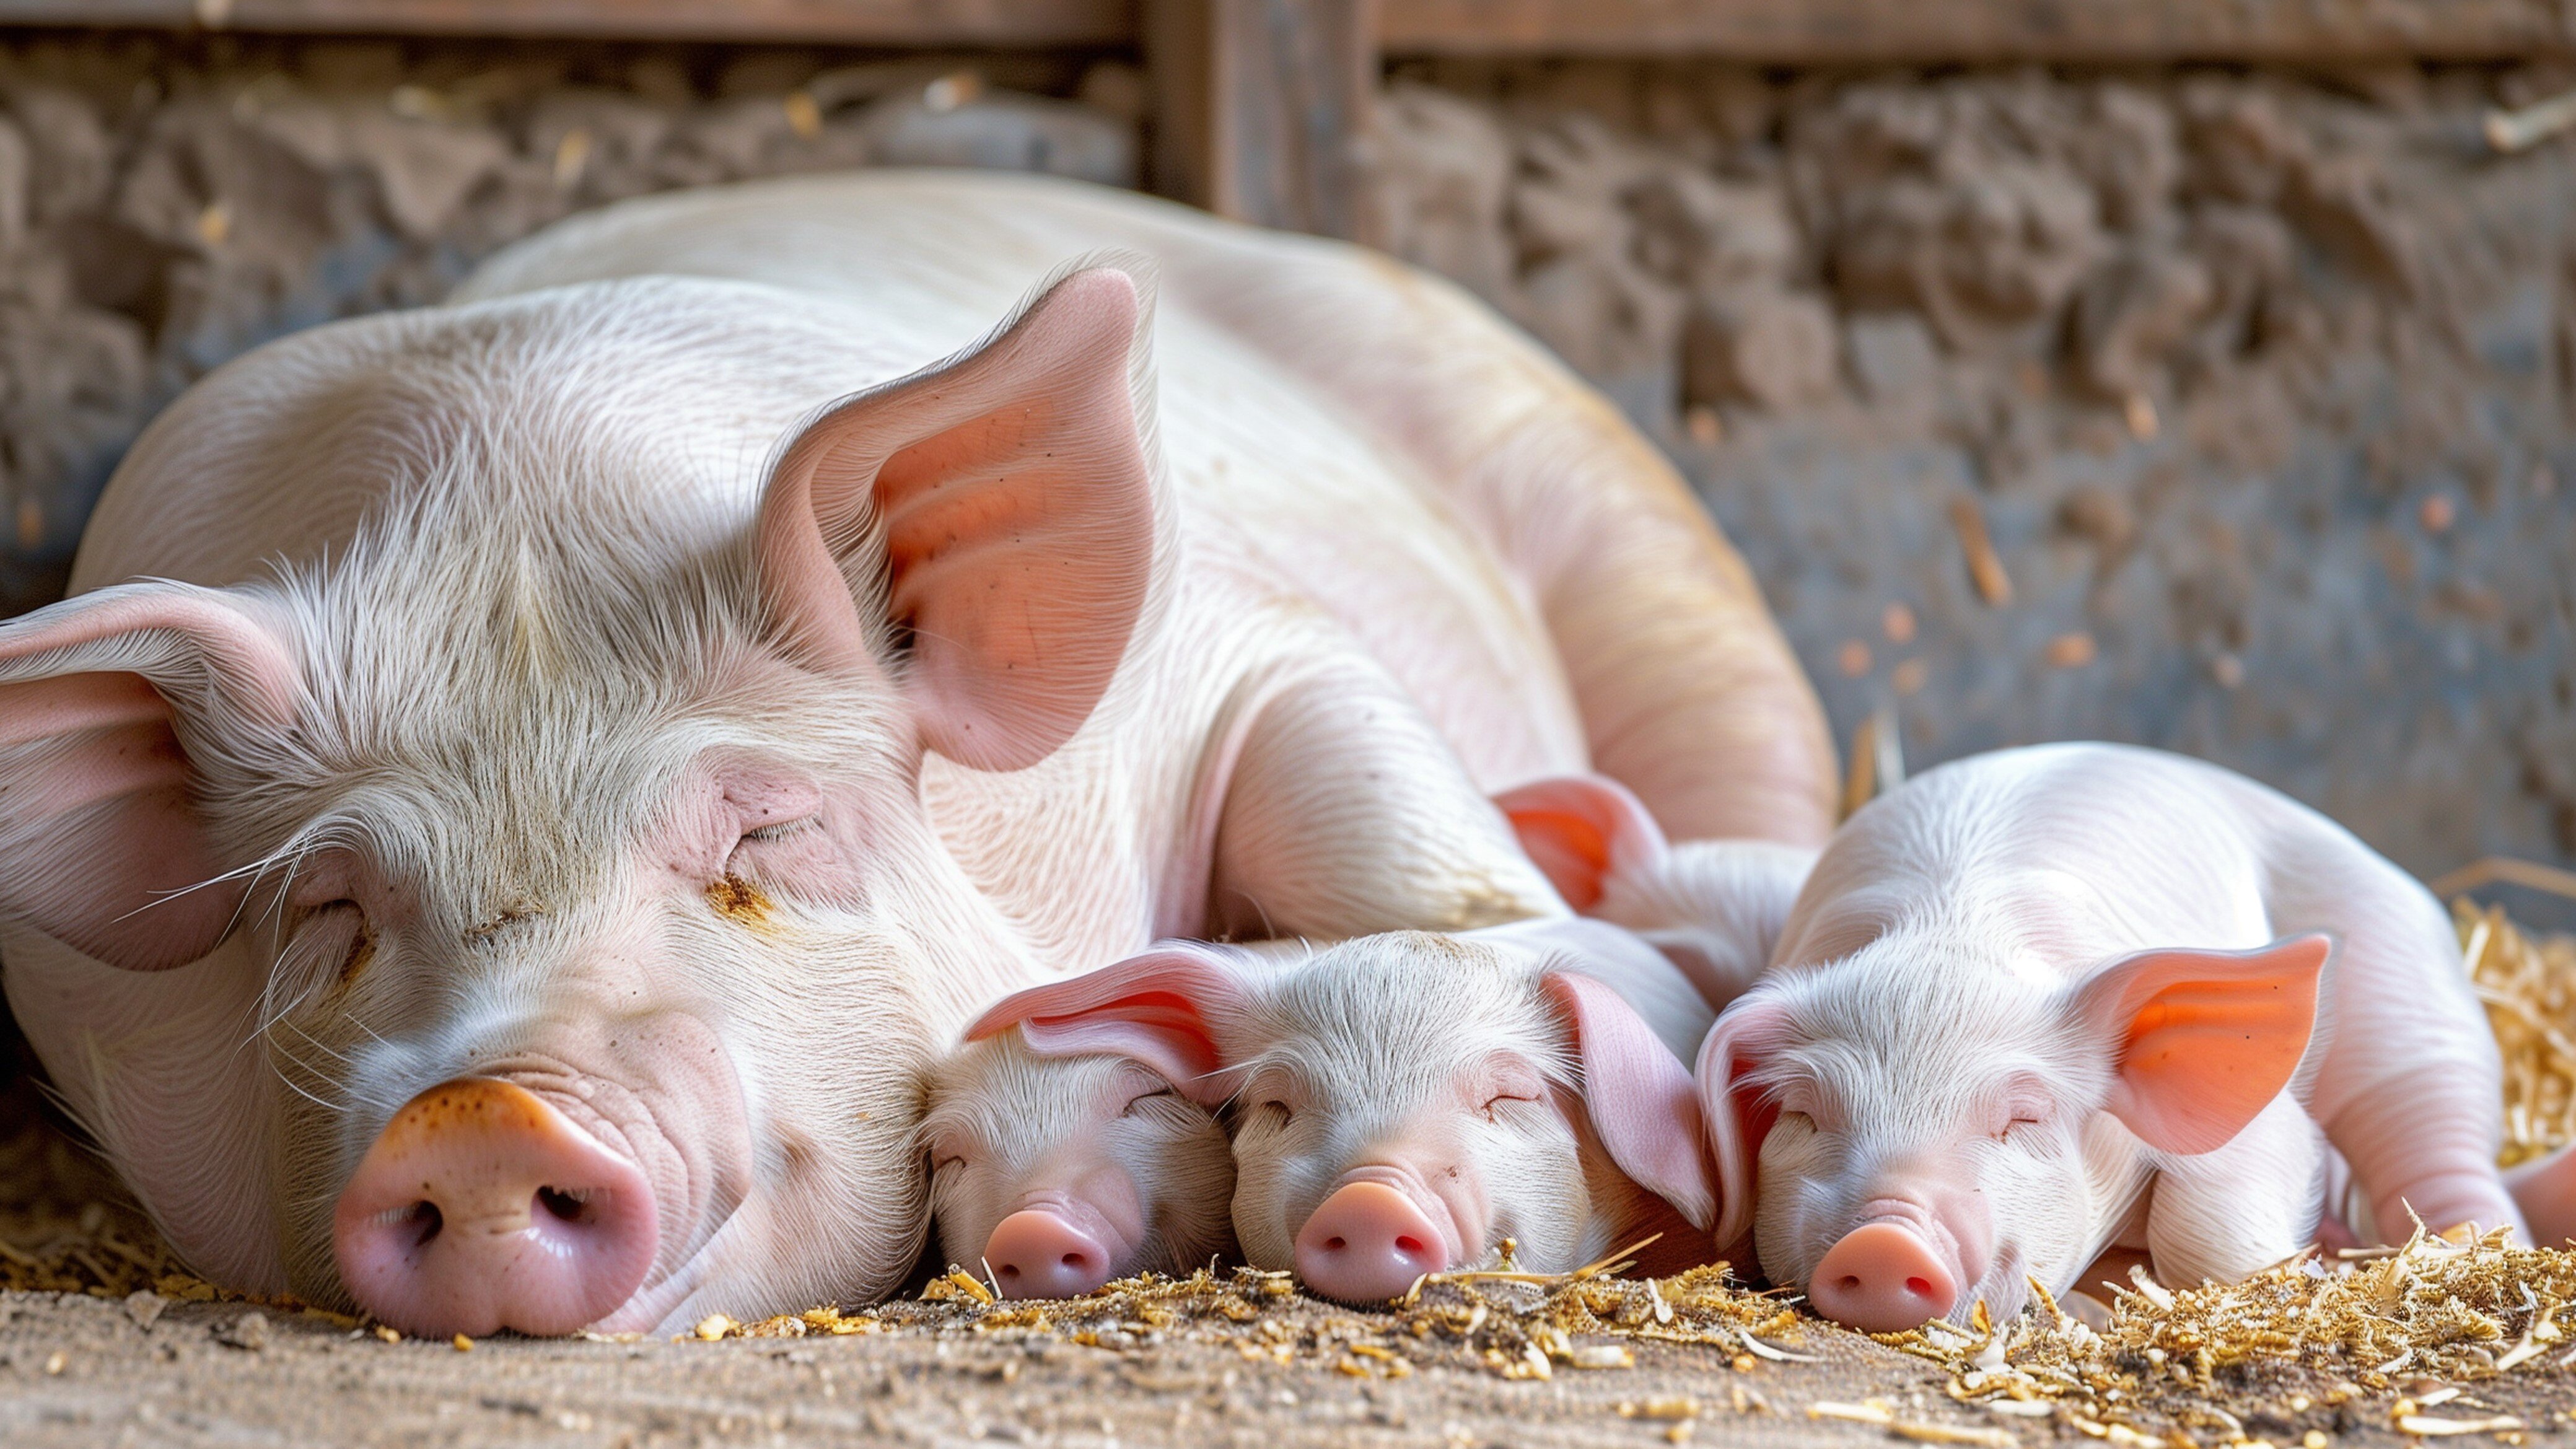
point(2046, 1002)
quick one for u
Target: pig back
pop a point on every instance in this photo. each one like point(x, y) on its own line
point(2050, 859)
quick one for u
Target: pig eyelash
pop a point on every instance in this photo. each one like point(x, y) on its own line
point(779, 830)
point(1501, 1097)
point(1141, 1098)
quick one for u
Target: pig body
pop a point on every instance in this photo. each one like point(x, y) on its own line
point(2046, 1002)
point(590, 753)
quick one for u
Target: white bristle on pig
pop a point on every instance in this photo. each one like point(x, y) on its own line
point(2047, 1002)
point(1051, 1176)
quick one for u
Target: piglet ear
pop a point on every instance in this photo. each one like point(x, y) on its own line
point(995, 516)
point(1580, 830)
point(108, 702)
point(1639, 1096)
point(1736, 1114)
point(2205, 1039)
point(1157, 1008)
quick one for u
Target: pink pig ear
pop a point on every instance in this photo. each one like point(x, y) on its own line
point(2205, 1039)
point(1581, 830)
point(1156, 1008)
point(1638, 1095)
point(102, 698)
point(1737, 1116)
point(999, 508)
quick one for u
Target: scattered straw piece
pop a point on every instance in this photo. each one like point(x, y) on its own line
point(2432, 1427)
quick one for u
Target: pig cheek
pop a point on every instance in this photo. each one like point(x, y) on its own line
point(2039, 1211)
point(1276, 1184)
point(964, 1202)
point(1522, 1178)
point(1184, 1176)
point(1797, 1181)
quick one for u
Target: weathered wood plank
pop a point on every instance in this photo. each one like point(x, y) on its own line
point(1861, 31)
point(1260, 107)
point(850, 22)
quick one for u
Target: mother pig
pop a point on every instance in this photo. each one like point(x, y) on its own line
point(572, 757)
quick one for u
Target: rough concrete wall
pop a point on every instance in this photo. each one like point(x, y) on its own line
point(2258, 385)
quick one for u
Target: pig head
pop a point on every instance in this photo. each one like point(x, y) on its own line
point(517, 918)
point(1050, 1176)
point(1404, 1103)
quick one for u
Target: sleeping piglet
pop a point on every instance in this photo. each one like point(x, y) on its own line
point(1052, 1175)
point(2046, 1002)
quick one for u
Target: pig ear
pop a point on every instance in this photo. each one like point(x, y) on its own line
point(1581, 830)
point(996, 515)
point(2205, 1039)
point(1155, 1008)
point(1639, 1096)
point(102, 700)
point(1736, 1115)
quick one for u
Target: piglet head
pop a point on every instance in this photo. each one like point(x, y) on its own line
point(1410, 1101)
point(1056, 1169)
point(1907, 1133)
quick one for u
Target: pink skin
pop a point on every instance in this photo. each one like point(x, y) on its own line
point(1972, 1066)
point(481, 1207)
point(1385, 1131)
point(1051, 1177)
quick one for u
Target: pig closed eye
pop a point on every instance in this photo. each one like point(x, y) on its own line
point(1142, 1098)
point(1492, 1104)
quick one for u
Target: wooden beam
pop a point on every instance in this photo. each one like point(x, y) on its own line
point(1831, 32)
point(1260, 107)
point(1010, 23)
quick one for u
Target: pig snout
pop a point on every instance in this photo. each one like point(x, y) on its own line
point(1367, 1243)
point(480, 1207)
point(1041, 1252)
point(1883, 1277)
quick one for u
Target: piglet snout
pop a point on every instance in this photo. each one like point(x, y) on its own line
point(1882, 1277)
point(481, 1208)
point(1368, 1243)
point(1037, 1253)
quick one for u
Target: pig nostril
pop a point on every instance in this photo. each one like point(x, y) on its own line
point(1076, 1261)
point(571, 1207)
point(1409, 1244)
point(1334, 1245)
point(423, 1218)
point(1919, 1287)
point(1010, 1270)
point(1851, 1283)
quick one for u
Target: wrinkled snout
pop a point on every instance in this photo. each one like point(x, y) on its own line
point(1368, 1243)
point(1040, 1253)
point(1882, 1277)
point(481, 1208)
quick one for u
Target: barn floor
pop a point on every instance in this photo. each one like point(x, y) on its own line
point(82, 1371)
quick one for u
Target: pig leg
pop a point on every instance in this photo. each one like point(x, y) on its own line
point(2408, 1087)
point(1346, 815)
point(2221, 1215)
